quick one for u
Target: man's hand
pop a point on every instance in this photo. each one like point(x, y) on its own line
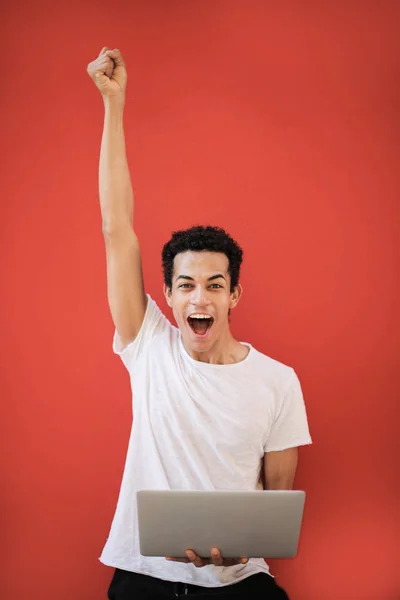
point(109, 73)
point(216, 559)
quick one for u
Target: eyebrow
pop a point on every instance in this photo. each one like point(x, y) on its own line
point(209, 279)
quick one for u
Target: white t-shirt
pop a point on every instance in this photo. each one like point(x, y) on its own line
point(197, 426)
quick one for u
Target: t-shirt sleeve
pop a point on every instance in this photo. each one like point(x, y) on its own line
point(154, 323)
point(290, 427)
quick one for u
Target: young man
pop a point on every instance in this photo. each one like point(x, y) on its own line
point(210, 412)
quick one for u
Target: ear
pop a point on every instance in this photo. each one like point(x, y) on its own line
point(167, 294)
point(235, 296)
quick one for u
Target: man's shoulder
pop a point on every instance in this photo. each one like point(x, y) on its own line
point(156, 316)
point(158, 325)
point(270, 368)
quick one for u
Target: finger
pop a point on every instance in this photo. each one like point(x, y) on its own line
point(182, 560)
point(110, 69)
point(102, 64)
point(228, 562)
point(106, 66)
point(216, 557)
point(116, 56)
point(99, 66)
point(103, 50)
point(197, 561)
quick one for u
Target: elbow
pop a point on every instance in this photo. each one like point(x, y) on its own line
point(112, 227)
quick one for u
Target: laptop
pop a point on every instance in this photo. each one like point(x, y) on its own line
point(251, 524)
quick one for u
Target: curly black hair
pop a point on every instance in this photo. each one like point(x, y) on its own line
point(202, 239)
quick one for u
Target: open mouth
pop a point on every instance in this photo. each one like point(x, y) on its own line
point(200, 324)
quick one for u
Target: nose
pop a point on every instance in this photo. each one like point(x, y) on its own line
point(199, 296)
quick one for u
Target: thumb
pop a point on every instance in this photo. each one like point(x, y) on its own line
point(100, 79)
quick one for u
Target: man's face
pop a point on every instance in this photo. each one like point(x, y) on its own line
point(201, 298)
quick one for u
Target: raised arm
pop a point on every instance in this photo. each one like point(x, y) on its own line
point(126, 295)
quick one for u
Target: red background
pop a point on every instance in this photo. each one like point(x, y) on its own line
point(278, 121)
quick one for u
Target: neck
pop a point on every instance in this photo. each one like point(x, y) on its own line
point(225, 351)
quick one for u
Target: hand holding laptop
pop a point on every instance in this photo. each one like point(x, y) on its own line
point(216, 559)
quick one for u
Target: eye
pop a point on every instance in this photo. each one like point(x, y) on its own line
point(185, 285)
point(216, 285)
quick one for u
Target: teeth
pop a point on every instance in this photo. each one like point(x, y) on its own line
point(200, 316)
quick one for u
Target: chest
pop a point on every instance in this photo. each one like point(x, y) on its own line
point(221, 410)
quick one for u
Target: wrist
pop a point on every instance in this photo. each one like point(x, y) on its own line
point(114, 104)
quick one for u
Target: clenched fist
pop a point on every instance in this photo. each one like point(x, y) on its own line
point(109, 73)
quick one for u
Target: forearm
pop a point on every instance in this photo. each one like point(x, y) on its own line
point(115, 187)
point(279, 483)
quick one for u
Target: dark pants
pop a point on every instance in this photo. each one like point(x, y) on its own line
point(134, 586)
